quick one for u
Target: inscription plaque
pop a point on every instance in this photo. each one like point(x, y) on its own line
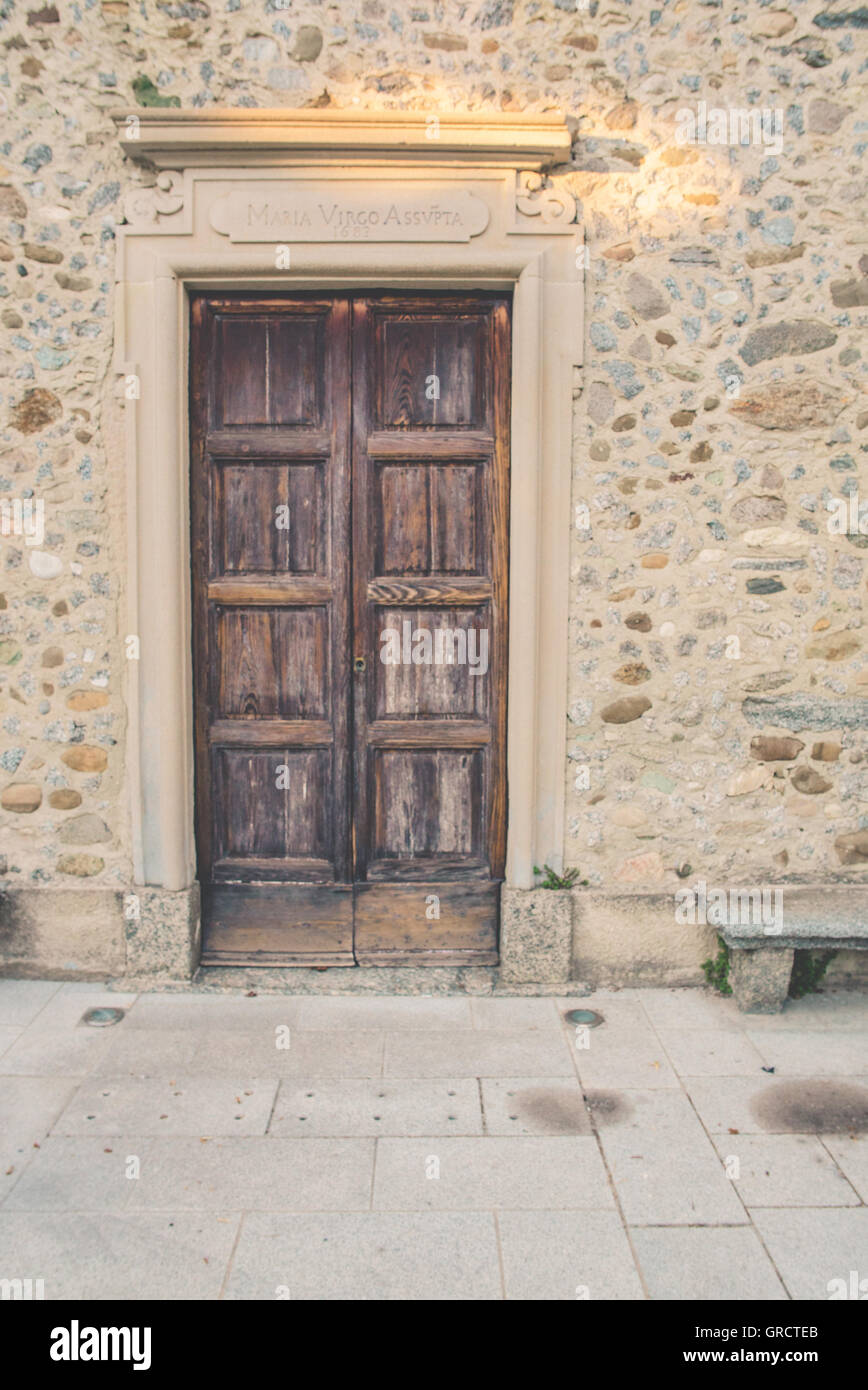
point(300, 213)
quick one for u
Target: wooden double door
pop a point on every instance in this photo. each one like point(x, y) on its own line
point(349, 512)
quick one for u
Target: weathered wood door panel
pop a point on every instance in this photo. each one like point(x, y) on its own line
point(349, 514)
point(429, 604)
point(270, 502)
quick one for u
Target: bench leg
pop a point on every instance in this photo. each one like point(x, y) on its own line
point(760, 978)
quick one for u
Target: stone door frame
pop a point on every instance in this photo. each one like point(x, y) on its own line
point(170, 246)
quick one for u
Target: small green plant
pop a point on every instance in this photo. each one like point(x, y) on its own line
point(552, 880)
point(717, 971)
point(809, 968)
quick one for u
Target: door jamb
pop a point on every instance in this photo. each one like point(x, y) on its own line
point(153, 349)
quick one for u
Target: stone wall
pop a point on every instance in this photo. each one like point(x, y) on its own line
point(718, 694)
point(718, 698)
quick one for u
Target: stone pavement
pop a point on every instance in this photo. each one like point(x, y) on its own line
point(430, 1148)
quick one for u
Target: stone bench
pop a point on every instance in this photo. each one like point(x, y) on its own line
point(761, 963)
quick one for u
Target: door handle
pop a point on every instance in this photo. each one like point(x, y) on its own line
point(360, 664)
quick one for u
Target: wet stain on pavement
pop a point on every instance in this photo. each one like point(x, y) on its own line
point(548, 1111)
point(608, 1107)
point(812, 1107)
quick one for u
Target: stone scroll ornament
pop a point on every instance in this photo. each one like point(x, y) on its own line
point(535, 197)
point(143, 207)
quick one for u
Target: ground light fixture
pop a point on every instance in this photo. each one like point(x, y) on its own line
point(587, 1018)
point(102, 1018)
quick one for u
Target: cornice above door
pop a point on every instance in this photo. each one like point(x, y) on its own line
point(178, 139)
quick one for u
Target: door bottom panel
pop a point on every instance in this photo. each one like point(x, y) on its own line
point(395, 924)
point(277, 924)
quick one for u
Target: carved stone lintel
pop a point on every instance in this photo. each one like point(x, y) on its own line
point(534, 197)
point(144, 207)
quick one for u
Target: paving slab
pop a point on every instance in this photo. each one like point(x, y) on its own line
point(96, 1175)
point(383, 1014)
point(534, 1105)
point(778, 1104)
point(690, 1009)
point(140, 1052)
point(663, 1164)
point(7, 1037)
point(66, 1007)
point(616, 1006)
point(560, 1173)
point(480, 1052)
point(22, 1000)
point(111, 1256)
point(261, 1173)
point(365, 1256)
point(817, 1252)
point(152, 1106)
point(334, 1053)
point(28, 1108)
point(850, 1152)
point(558, 1255)
point(725, 1104)
point(838, 1011)
point(811, 1053)
point(710, 1052)
point(334, 1107)
point(784, 1170)
point(504, 1014)
point(59, 1052)
point(623, 1055)
point(213, 1012)
point(706, 1263)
